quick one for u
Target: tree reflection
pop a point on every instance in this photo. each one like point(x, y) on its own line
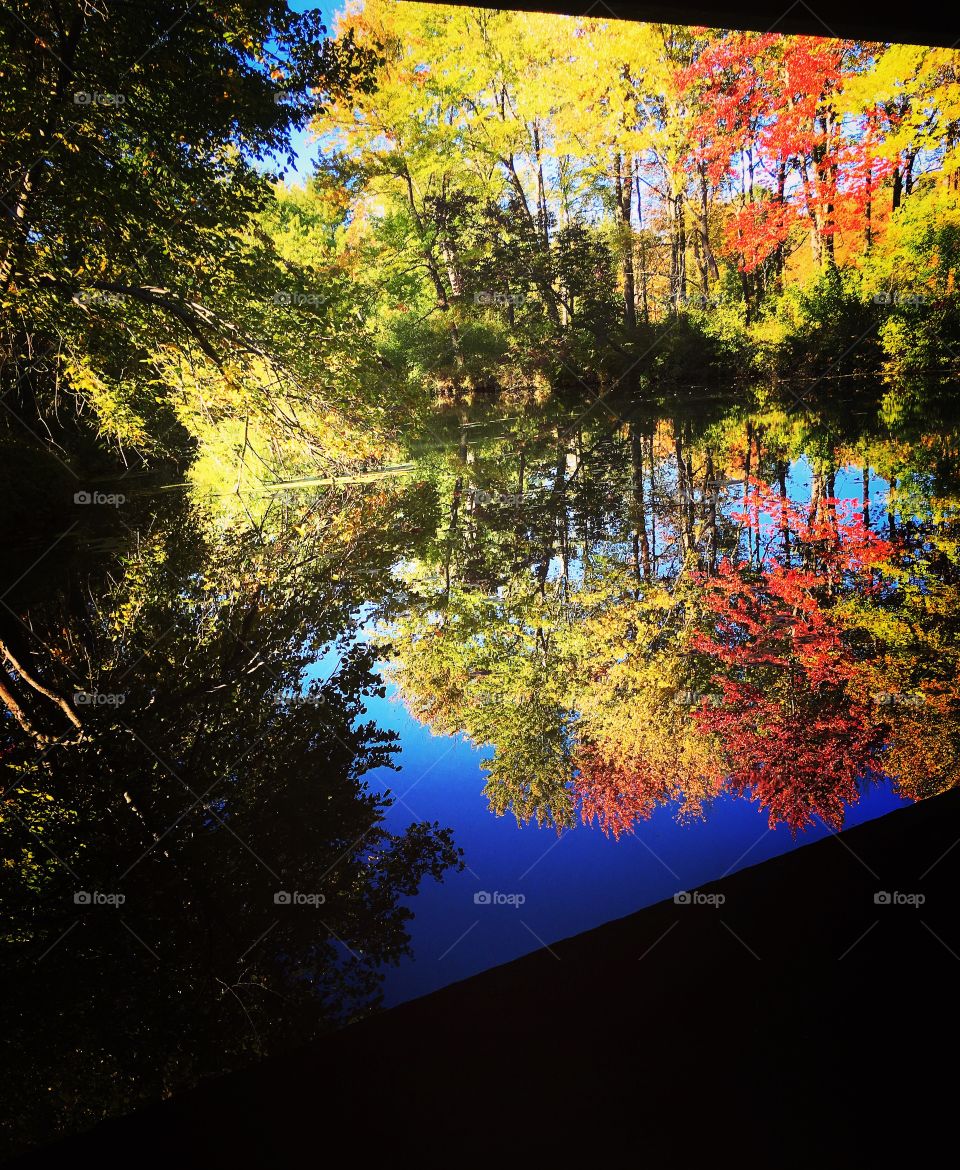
point(199, 778)
point(654, 611)
point(627, 613)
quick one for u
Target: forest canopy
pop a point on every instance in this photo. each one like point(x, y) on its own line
point(501, 201)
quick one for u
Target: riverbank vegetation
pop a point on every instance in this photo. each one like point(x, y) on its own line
point(503, 202)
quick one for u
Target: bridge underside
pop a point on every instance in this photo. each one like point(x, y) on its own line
point(903, 23)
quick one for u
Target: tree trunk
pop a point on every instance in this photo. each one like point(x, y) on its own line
point(623, 182)
point(28, 678)
point(897, 188)
point(641, 540)
point(868, 211)
point(866, 496)
point(544, 287)
point(784, 519)
point(643, 252)
point(685, 490)
point(13, 706)
point(678, 253)
point(747, 464)
point(543, 220)
point(711, 497)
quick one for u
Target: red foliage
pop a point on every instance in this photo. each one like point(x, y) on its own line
point(767, 127)
point(615, 795)
point(754, 232)
point(799, 762)
point(834, 532)
point(793, 736)
point(791, 733)
point(775, 621)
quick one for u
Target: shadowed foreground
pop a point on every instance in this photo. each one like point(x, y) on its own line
point(786, 1024)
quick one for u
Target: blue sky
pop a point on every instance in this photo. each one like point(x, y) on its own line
point(304, 143)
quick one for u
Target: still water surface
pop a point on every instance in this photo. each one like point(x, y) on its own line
point(272, 763)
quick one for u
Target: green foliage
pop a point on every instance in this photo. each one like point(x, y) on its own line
point(139, 270)
point(230, 769)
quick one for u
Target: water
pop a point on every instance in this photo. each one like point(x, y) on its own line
point(570, 882)
point(268, 769)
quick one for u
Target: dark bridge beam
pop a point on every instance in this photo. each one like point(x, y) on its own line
point(905, 22)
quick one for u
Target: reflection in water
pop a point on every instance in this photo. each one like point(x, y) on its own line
point(194, 872)
point(645, 613)
point(629, 614)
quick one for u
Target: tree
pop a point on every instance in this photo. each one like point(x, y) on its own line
point(213, 777)
point(131, 268)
